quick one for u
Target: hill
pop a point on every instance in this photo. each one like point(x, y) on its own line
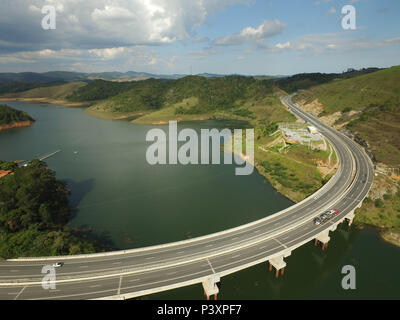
point(307, 80)
point(51, 93)
point(368, 106)
point(187, 96)
point(55, 92)
point(54, 76)
point(15, 87)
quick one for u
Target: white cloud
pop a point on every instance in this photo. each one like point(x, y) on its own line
point(320, 43)
point(108, 59)
point(267, 29)
point(96, 24)
point(115, 14)
point(285, 45)
point(108, 53)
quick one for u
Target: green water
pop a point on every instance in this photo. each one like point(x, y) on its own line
point(118, 193)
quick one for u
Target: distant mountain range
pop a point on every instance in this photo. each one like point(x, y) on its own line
point(110, 76)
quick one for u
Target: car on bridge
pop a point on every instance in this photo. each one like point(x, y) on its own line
point(325, 217)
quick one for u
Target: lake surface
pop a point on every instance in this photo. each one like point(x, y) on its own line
point(136, 204)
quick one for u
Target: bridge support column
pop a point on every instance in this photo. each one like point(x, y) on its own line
point(324, 239)
point(350, 217)
point(210, 287)
point(279, 264)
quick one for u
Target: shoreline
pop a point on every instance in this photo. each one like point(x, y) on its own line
point(14, 125)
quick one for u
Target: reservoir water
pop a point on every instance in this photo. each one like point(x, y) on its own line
point(117, 193)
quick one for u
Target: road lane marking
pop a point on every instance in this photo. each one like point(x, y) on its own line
point(281, 242)
point(22, 290)
point(209, 263)
point(119, 286)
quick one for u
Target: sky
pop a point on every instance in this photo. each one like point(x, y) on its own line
point(253, 37)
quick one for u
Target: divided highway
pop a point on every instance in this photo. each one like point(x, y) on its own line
point(132, 273)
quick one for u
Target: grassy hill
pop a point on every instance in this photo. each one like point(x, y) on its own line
point(370, 107)
point(307, 80)
point(378, 89)
point(15, 87)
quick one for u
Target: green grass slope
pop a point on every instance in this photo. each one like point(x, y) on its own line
point(378, 89)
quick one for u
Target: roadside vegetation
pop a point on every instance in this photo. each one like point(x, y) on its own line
point(367, 108)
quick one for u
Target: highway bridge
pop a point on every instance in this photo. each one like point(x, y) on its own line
point(133, 273)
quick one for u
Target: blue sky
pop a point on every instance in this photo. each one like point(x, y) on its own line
point(214, 36)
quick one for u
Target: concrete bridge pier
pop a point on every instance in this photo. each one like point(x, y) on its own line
point(324, 239)
point(350, 217)
point(210, 286)
point(279, 264)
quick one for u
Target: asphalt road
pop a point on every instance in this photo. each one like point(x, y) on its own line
point(154, 269)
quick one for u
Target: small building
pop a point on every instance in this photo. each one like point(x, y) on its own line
point(312, 129)
point(4, 173)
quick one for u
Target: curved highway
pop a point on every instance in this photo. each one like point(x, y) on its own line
point(133, 273)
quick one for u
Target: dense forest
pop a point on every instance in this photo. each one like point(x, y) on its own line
point(9, 115)
point(34, 213)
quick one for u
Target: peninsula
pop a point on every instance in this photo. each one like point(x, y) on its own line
point(11, 118)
